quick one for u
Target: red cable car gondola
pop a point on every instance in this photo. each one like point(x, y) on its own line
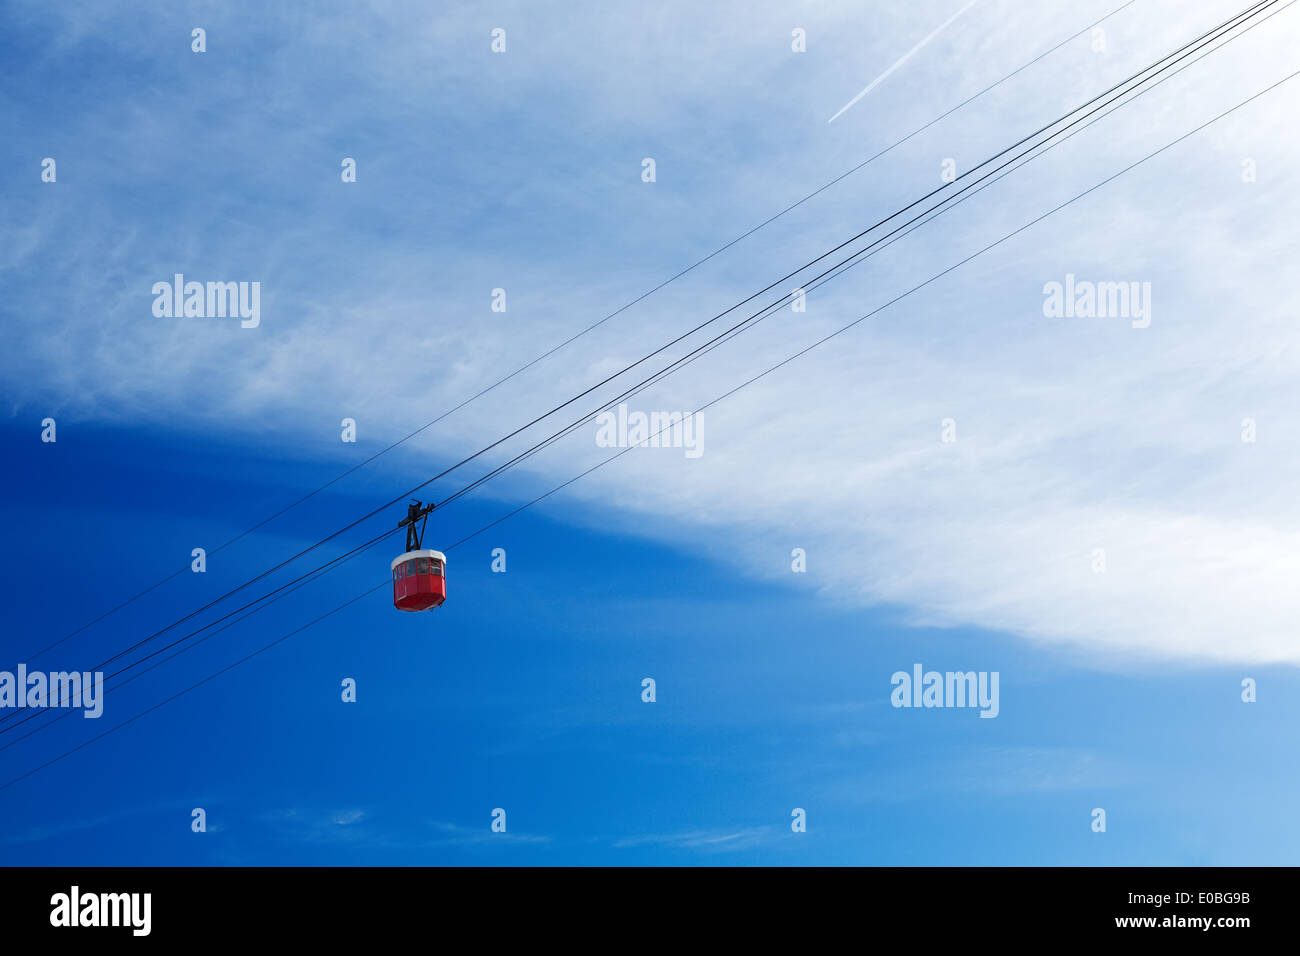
point(419, 575)
point(419, 580)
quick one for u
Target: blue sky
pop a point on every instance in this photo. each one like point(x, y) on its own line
point(522, 171)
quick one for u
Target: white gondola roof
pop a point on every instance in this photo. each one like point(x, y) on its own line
point(417, 554)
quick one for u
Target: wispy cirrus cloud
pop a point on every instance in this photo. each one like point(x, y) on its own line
point(1072, 436)
point(720, 840)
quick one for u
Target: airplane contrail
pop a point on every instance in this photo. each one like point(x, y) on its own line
point(903, 59)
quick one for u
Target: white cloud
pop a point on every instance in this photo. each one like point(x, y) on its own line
point(715, 840)
point(1073, 434)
